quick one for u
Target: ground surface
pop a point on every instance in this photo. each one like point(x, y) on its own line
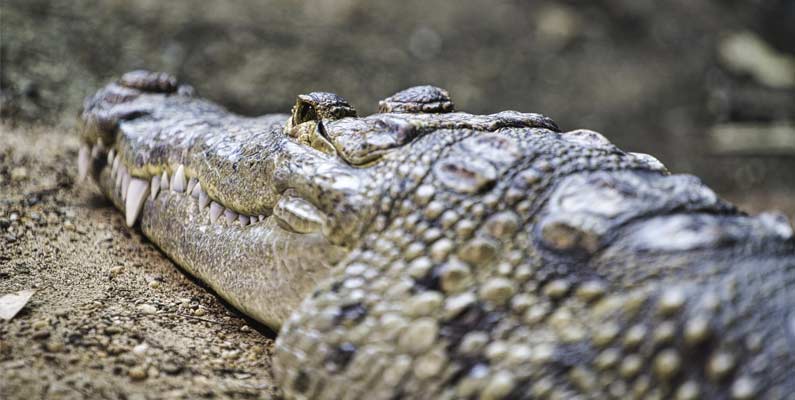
point(112, 317)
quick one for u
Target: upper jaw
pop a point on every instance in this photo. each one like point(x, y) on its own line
point(145, 135)
point(323, 165)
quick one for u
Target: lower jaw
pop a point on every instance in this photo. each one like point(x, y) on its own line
point(261, 269)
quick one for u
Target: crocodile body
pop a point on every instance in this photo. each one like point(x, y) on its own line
point(425, 253)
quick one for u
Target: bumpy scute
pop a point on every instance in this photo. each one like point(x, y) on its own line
point(418, 99)
point(156, 82)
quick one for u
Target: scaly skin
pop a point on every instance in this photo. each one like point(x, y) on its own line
point(423, 253)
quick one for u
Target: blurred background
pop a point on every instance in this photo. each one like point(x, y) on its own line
point(706, 86)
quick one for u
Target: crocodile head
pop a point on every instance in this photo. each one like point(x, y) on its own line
point(302, 188)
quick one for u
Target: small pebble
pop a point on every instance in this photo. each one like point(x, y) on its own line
point(54, 346)
point(147, 309)
point(40, 324)
point(113, 330)
point(141, 348)
point(171, 367)
point(137, 373)
point(19, 173)
point(154, 284)
point(41, 334)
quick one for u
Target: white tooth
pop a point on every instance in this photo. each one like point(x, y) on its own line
point(261, 218)
point(215, 211)
point(178, 180)
point(191, 184)
point(125, 183)
point(204, 199)
point(115, 169)
point(111, 156)
point(253, 219)
point(196, 190)
point(83, 159)
point(164, 181)
point(230, 215)
point(243, 220)
point(96, 150)
point(136, 194)
point(154, 187)
point(119, 175)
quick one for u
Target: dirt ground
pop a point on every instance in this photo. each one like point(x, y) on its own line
point(111, 317)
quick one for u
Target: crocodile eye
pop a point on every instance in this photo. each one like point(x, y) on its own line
point(304, 112)
point(418, 99)
point(309, 112)
point(318, 106)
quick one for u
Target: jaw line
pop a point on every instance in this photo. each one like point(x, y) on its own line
point(258, 262)
point(273, 268)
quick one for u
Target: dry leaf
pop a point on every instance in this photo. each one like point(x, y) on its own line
point(11, 303)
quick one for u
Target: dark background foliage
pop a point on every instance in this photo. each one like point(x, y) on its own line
point(655, 77)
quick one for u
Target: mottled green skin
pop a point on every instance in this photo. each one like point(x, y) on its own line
point(466, 256)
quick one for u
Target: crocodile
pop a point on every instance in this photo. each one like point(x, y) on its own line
point(421, 252)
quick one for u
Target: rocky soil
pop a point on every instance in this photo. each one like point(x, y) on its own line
point(111, 316)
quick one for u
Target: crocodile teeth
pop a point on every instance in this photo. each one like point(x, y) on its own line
point(164, 181)
point(111, 156)
point(120, 181)
point(298, 214)
point(230, 215)
point(125, 183)
point(197, 189)
point(136, 194)
point(204, 199)
point(83, 160)
point(178, 180)
point(154, 187)
point(244, 220)
point(191, 184)
point(261, 218)
point(96, 150)
point(215, 211)
point(115, 168)
point(120, 177)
